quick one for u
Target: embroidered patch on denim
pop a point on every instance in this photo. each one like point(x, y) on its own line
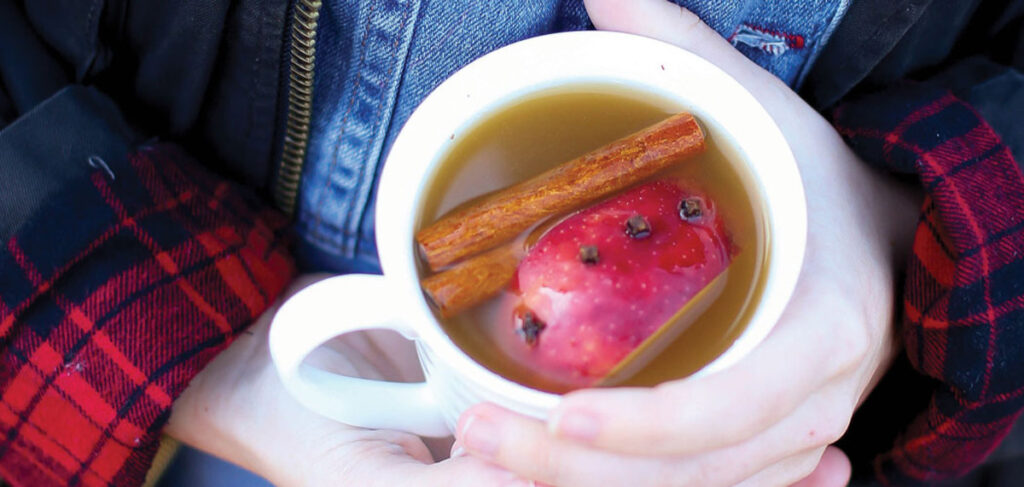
point(770, 41)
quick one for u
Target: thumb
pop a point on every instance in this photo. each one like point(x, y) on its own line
point(668, 22)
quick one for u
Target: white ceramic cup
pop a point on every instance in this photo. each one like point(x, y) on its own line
point(395, 301)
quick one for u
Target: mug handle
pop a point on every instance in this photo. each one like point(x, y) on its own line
point(310, 318)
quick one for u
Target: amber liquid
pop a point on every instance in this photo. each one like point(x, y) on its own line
point(531, 135)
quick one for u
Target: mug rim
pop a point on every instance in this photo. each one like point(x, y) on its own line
point(552, 60)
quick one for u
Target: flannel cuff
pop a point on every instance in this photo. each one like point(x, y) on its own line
point(113, 295)
point(963, 300)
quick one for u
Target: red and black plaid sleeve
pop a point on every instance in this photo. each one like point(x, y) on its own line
point(964, 293)
point(112, 298)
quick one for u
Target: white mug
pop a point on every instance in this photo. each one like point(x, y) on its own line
point(395, 301)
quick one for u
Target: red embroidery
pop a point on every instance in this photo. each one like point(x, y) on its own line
point(769, 40)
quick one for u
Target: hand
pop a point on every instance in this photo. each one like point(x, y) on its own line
point(769, 419)
point(237, 409)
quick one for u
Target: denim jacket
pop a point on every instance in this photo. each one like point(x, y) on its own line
point(300, 99)
point(376, 61)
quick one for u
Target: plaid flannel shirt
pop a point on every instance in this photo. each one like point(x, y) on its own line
point(963, 302)
point(112, 300)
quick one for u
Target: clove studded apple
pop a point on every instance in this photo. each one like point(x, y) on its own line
point(465, 247)
point(603, 280)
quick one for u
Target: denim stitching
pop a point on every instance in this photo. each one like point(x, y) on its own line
point(318, 216)
point(380, 108)
point(770, 41)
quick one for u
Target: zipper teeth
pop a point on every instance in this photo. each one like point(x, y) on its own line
point(300, 103)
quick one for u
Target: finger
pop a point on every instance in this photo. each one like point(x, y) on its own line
point(833, 470)
point(815, 424)
point(521, 445)
point(786, 471)
point(668, 22)
point(665, 21)
point(808, 348)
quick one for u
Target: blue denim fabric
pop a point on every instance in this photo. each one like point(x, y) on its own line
point(377, 59)
point(783, 36)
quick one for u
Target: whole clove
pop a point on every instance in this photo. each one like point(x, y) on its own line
point(589, 255)
point(530, 328)
point(638, 227)
point(689, 209)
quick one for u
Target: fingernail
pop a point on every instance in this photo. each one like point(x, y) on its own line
point(480, 436)
point(576, 425)
point(457, 451)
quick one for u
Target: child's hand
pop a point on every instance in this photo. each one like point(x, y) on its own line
point(237, 409)
point(768, 419)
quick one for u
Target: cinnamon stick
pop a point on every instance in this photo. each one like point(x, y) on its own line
point(508, 212)
point(473, 280)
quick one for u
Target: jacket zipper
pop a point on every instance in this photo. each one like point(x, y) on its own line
point(300, 103)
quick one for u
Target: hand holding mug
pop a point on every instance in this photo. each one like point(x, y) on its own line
point(238, 410)
point(762, 413)
point(548, 66)
point(768, 419)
